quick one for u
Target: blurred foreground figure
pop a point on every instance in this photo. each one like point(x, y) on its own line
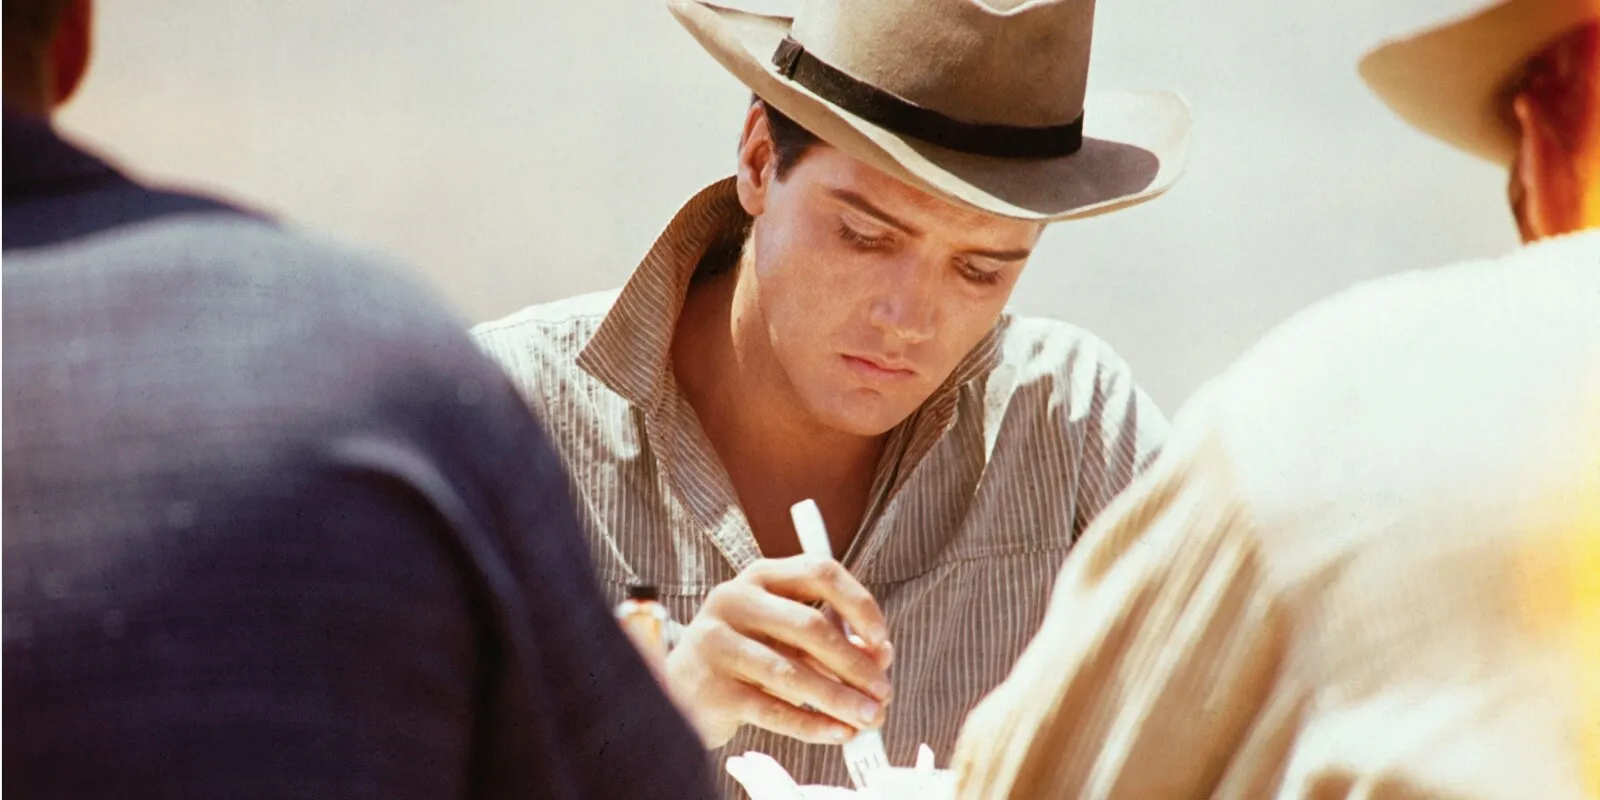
point(273, 526)
point(1368, 563)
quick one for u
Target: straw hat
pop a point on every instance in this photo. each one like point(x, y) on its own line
point(980, 102)
point(1451, 81)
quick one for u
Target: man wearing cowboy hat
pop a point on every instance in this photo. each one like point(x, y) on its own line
point(1367, 563)
point(829, 323)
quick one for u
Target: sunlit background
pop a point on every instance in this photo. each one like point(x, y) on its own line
point(519, 151)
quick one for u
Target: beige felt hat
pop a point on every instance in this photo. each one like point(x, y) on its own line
point(980, 102)
point(1451, 80)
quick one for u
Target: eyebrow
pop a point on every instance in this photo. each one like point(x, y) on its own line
point(861, 204)
point(1001, 255)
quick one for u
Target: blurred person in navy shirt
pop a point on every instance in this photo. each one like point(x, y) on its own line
point(273, 526)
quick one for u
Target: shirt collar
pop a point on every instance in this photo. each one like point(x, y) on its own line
point(37, 157)
point(631, 350)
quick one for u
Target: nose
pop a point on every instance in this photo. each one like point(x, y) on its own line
point(906, 307)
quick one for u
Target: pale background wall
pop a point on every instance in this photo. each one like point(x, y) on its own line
point(521, 150)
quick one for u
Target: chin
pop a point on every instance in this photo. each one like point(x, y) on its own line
point(865, 428)
point(853, 414)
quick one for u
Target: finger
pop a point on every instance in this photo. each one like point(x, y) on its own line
point(824, 580)
point(805, 658)
point(883, 654)
point(827, 673)
point(765, 711)
point(783, 621)
point(791, 680)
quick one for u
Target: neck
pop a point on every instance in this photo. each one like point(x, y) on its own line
point(27, 103)
point(776, 453)
point(28, 85)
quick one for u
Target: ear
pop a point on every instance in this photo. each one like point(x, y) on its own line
point(1545, 194)
point(69, 52)
point(758, 161)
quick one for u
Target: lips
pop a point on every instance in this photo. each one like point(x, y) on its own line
point(879, 368)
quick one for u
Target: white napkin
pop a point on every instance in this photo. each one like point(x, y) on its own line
point(765, 779)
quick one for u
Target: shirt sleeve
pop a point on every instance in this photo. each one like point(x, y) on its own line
point(1159, 649)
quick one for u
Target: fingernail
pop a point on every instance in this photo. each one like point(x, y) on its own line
point(888, 653)
point(870, 711)
point(840, 734)
point(877, 635)
point(881, 690)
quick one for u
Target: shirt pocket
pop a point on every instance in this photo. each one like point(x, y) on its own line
point(957, 631)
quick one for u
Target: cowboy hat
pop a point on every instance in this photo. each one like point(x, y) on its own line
point(979, 102)
point(1451, 81)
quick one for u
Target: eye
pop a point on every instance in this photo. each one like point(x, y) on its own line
point(861, 240)
point(981, 277)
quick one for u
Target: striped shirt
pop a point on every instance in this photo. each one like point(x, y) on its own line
point(977, 499)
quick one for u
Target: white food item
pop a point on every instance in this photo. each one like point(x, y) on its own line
point(765, 779)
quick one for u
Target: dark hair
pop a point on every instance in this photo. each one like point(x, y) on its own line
point(33, 20)
point(791, 141)
point(789, 138)
point(30, 25)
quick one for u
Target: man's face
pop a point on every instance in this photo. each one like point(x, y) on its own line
point(869, 291)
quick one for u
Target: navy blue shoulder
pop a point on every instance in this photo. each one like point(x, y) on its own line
point(43, 219)
point(56, 191)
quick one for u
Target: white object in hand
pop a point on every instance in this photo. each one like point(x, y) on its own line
point(864, 754)
point(763, 778)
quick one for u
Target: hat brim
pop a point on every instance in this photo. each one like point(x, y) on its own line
point(1450, 81)
point(1135, 144)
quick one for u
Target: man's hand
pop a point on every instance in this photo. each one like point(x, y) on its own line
point(758, 654)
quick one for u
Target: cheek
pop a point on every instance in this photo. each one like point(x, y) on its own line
point(801, 301)
point(969, 317)
point(802, 258)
